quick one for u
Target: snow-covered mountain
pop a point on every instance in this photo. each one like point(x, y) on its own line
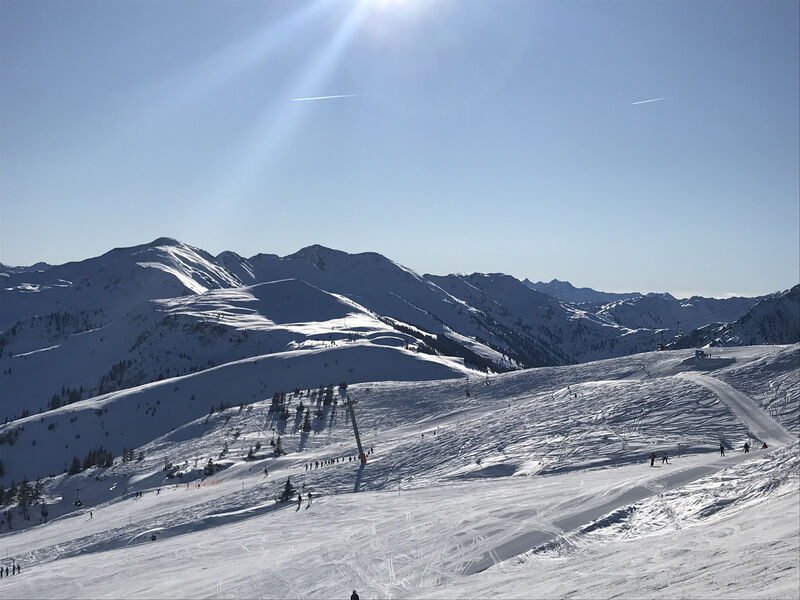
point(142, 314)
point(566, 292)
point(663, 311)
point(113, 282)
point(535, 329)
point(165, 399)
point(774, 320)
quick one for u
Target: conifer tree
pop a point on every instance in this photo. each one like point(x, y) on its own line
point(288, 491)
point(24, 493)
point(37, 491)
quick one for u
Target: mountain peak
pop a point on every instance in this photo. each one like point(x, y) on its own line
point(165, 241)
point(316, 255)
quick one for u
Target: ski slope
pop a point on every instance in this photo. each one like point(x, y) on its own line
point(528, 484)
point(763, 427)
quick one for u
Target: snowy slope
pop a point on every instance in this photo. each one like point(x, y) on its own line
point(529, 480)
point(192, 333)
point(44, 444)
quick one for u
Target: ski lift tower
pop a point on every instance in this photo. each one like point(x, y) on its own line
point(350, 403)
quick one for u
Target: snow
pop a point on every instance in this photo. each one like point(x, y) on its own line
point(530, 483)
point(21, 354)
point(536, 484)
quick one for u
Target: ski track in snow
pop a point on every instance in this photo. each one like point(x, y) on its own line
point(759, 423)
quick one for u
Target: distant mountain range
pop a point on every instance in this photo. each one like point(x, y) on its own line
point(164, 309)
point(39, 266)
point(774, 320)
point(566, 292)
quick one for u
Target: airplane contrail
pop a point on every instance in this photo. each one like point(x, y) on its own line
point(651, 100)
point(323, 97)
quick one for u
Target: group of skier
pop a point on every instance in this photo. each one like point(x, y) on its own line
point(333, 461)
point(746, 448)
point(652, 457)
point(664, 458)
point(15, 570)
point(300, 501)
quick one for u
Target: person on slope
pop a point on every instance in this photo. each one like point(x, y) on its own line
point(354, 596)
point(721, 450)
point(746, 447)
point(664, 459)
point(299, 501)
point(764, 446)
point(309, 500)
point(652, 459)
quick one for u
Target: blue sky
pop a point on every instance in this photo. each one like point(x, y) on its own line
point(478, 135)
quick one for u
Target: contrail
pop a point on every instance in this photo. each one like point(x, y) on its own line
point(651, 100)
point(323, 97)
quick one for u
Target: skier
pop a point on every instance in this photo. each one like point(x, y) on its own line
point(664, 459)
point(746, 447)
point(90, 515)
point(309, 500)
point(764, 446)
point(354, 596)
point(652, 459)
point(266, 473)
point(299, 501)
point(721, 450)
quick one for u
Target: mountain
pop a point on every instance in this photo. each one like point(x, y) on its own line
point(773, 320)
point(158, 400)
point(142, 314)
point(663, 311)
point(535, 329)
point(113, 282)
point(566, 292)
point(6, 270)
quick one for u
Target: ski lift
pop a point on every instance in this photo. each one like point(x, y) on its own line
point(78, 502)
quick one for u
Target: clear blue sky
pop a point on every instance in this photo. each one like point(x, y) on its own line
point(480, 135)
